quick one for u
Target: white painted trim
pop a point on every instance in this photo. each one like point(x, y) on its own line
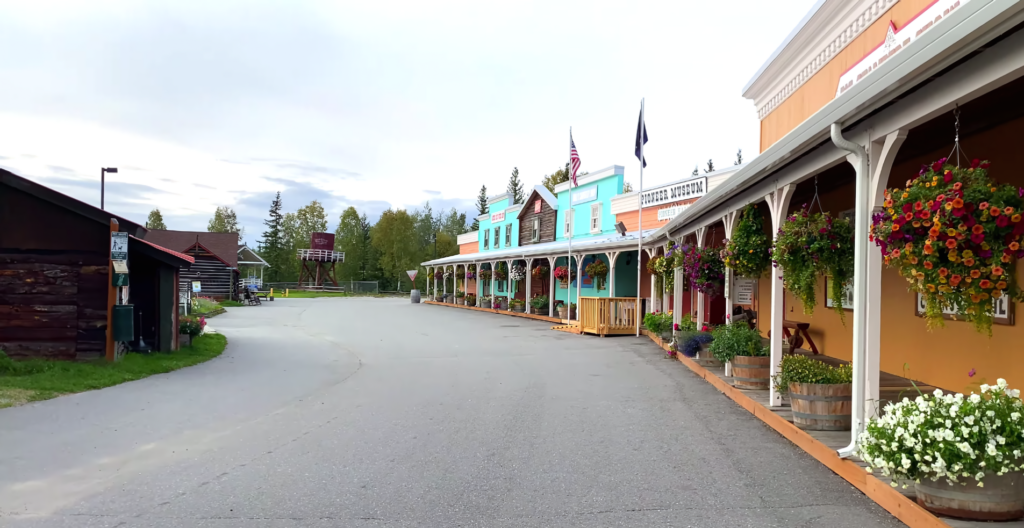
point(467, 238)
point(498, 198)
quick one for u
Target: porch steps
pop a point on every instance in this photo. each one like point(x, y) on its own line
point(570, 328)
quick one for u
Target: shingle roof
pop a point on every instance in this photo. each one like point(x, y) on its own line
point(182, 256)
point(223, 245)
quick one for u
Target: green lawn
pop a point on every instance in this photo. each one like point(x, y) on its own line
point(231, 304)
point(38, 379)
point(302, 294)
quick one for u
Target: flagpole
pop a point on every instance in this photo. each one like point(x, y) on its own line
point(640, 219)
point(568, 261)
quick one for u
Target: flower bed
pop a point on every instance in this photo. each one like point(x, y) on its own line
point(955, 236)
point(809, 245)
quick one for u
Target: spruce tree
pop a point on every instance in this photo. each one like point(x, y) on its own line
point(739, 157)
point(515, 187)
point(273, 241)
point(711, 167)
point(481, 207)
point(696, 171)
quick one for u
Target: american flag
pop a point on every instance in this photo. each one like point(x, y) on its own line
point(574, 161)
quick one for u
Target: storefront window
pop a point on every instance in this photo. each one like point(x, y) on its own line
point(497, 237)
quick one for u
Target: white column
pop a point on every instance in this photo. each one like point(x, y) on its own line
point(883, 154)
point(677, 296)
point(508, 286)
point(579, 282)
point(612, 257)
point(465, 281)
point(551, 286)
point(651, 253)
point(492, 284)
point(529, 284)
point(444, 283)
point(729, 221)
point(701, 233)
point(778, 204)
point(435, 281)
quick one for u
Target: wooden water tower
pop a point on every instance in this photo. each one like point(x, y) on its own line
point(318, 262)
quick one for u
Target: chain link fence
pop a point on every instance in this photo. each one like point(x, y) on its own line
point(356, 287)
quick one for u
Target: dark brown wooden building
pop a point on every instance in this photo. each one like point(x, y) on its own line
point(54, 283)
point(538, 217)
point(216, 259)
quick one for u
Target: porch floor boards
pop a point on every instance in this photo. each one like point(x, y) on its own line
point(892, 388)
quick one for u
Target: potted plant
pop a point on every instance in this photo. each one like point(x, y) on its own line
point(460, 297)
point(968, 447)
point(742, 347)
point(748, 253)
point(190, 327)
point(485, 300)
point(471, 272)
point(821, 394)
point(518, 305)
point(499, 303)
point(659, 325)
point(956, 236)
point(470, 299)
point(540, 272)
point(572, 311)
point(598, 272)
point(562, 274)
point(809, 245)
point(704, 269)
point(485, 274)
point(561, 309)
point(691, 343)
point(540, 304)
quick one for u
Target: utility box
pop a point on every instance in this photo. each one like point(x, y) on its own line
point(122, 322)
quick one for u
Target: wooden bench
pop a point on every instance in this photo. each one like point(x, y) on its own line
point(801, 330)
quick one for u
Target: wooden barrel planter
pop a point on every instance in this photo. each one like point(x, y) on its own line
point(821, 407)
point(705, 358)
point(540, 311)
point(485, 304)
point(999, 500)
point(751, 372)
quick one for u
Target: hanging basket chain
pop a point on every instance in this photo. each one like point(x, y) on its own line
point(815, 200)
point(956, 138)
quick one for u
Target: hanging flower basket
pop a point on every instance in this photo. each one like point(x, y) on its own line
point(471, 272)
point(518, 272)
point(705, 270)
point(563, 275)
point(809, 245)
point(956, 237)
point(662, 268)
point(485, 274)
point(500, 271)
point(540, 272)
point(748, 253)
point(598, 272)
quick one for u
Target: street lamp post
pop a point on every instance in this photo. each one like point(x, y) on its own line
point(103, 183)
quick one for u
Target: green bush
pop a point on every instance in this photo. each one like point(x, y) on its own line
point(658, 322)
point(203, 305)
point(803, 369)
point(539, 302)
point(192, 326)
point(688, 324)
point(733, 340)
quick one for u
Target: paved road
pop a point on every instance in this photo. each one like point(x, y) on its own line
point(378, 413)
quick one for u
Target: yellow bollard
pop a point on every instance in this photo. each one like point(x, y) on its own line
point(271, 292)
point(286, 292)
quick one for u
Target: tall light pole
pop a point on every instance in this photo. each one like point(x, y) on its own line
point(103, 183)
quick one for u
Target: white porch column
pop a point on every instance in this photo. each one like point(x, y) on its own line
point(492, 284)
point(529, 284)
point(465, 281)
point(882, 154)
point(701, 232)
point(778, 204)
point(551, 286)
point(435, 281)
point(612, 257)
point(729, 221)
point(579, 282)
point(651, 253)
point(677, 292)
point(508, 286)
point(444, 282)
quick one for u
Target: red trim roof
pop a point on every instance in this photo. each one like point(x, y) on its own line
point(182, 256)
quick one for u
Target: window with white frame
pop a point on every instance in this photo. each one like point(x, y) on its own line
point(847, 295)
point(508, 235)
point(497, 237)
point(535, 232)
point(570, 216)
point(595, 218)
point(487, 238)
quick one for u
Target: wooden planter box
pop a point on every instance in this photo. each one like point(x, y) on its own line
point(999, 500)
point(751, 372)
point(519, 309)
point(485, 304)
point(704, 357)
point(821, 407)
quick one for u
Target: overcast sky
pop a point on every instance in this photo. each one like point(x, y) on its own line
point(371, 104)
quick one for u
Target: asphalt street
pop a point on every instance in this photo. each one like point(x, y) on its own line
point(380, 413)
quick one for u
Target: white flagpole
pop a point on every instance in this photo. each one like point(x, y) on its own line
point(640, 219)
point(568, 261)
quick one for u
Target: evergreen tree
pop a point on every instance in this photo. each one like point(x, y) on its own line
point(559, 176)
point(696, 171)
point(711, 167)
point(739, 157)
point(351, 239)
point(481, 207)
point(272, 245)
point(627, 187)
point(515, 187)
point(155, 220)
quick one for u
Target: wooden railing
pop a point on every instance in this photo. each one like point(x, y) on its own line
point(608, 315)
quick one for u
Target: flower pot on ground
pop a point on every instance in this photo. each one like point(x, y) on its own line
point(947, 443)
point(191, 326)
point(499, 303)
point(539, 304)
point(562, 310)
point(184, 340)
point(518, 305)
point(572, 311)
point(752, 372)
point(659, 324)
point(485, 301)
point(743, 346)
point(692, 342)
point(470, 299)
point(460, 297)
point(821, 395)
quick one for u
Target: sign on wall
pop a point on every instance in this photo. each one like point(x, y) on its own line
point(119, 246)
point(584, 196)
point(668, 213)
point(895, 41)
point(498, 217)
point(693, 188)
point(744, 290)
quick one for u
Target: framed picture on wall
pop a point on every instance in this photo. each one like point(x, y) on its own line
point(1003, 310)
point(847, 299)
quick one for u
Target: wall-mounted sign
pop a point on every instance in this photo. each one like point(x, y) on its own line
point(584, 196)
point(895, 41)
point(498, 217)
point(668, 213)
point(197, 286)
point(536, 206)
point(119, 246)
point(744, 290)
point(685, 190)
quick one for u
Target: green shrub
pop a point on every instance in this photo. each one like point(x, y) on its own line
point(658, 322)
point(803, 369)
point(687, 324)
point(539, 302)
point(733, 340)
point(192, 326)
